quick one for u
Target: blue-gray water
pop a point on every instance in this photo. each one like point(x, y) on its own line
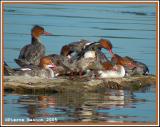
point(130, 28)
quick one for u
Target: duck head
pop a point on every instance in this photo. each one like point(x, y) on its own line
point(118, 60)
point(46, 62)
point(66, 51)
point(37, 31)
point(104, 43)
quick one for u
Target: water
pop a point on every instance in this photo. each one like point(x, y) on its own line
point(130, 28)
point(110, 106)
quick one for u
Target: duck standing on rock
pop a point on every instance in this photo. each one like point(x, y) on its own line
point(31, 53)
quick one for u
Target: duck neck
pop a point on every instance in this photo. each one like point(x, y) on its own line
point(41, 65)
point(34, 40)
point(51, 72)
point(122, 71)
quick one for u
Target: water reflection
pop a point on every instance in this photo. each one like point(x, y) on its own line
point(79, 106)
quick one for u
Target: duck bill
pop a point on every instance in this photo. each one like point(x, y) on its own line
point(110, 51)
point(47, 33)
point(52, 66)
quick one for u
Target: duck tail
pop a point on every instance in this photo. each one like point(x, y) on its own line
point(8, 70)
point(21, 63)
point(147, 73)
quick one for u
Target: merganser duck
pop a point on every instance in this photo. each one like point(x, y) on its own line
point(45, 69)
point(74, 47)
point(132, 67)
point(61, 63)
point(140, 69)
point(118, 71)
point(100, 56)
point(77, 49)
point(102, 43)
point(31, 53)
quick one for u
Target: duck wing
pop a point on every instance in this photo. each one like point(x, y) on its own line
point(30, 54)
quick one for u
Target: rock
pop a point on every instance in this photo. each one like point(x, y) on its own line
point(35, 85)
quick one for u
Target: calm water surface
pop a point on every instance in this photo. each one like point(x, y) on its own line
point(130, 28)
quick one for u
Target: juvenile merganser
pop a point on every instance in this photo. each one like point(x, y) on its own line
point(100, 56)
point(76, 50)
point(62, 64)
point(140, 68)
point(87, 53)
point(74, 47)
point(97, 46)
point(132, 67)
point(45, 69)
point(31, 53)
point(118, 71)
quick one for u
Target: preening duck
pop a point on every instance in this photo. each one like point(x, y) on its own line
point(132, 67)
point(97, 46)
point(74, 47)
